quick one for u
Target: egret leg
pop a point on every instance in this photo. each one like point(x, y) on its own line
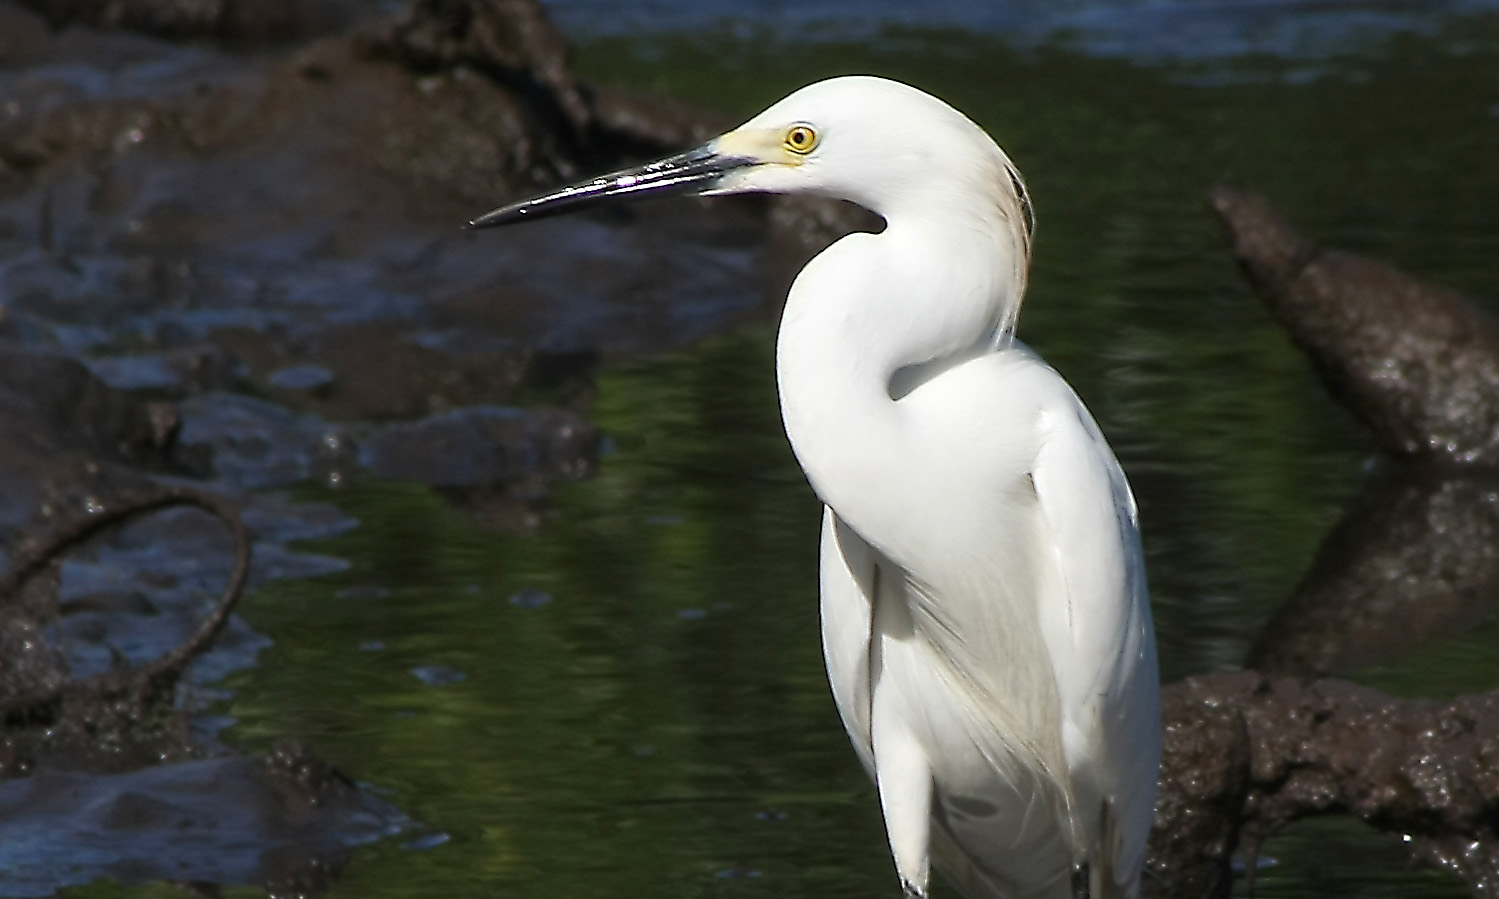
point(902, 771)
point(905, 785)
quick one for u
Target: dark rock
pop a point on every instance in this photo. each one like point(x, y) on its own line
point(285, 820)
point(1246, 755)
point(483, 447)
point(306, 377)
point(69, 437)
point(1204, 782)
point(361, 172)
point(55, 404)
point(509, 40)
point(513, 42)
point(1418, 364)
point(256, 444)
point(23, 34)
point(178, 371)
point(29, 665)
point(419, 373)
point(82, 708)
point(104, 685)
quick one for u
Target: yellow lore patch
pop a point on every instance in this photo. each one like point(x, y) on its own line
point(769, 146)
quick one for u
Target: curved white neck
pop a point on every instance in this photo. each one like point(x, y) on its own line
point(921, 291)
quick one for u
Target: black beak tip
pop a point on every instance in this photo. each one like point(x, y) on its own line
point(501, 216)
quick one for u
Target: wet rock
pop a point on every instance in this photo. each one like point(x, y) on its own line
point(84, 734)
point(513, 42)
point(419, 372)
point(136, 373)
point(91, 651)
point(254, 444)
point(1205, 779)
point(362, 172)
point(121, 714)
point(287, 820)
point(483, 447)
point(1415, 556)
point(107, 647)
point(363, 153)
point(69, 436)
point(29, 666)
point(179, 371)
point(301, 378)
point(52, 404)
point(1247, 754)
point(22, 34)
point(1418, 364)
point(509, 40)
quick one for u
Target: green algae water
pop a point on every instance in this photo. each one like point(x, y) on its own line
point(628, 700)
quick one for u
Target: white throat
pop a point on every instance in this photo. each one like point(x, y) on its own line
point(849, 346)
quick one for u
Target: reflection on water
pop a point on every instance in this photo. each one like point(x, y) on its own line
point(1416, 556)
point(660, 725)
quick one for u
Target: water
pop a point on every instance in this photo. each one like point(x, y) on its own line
point(659, 725)
point(1151, 30)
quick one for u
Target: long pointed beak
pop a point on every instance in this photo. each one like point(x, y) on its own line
point(693, 172)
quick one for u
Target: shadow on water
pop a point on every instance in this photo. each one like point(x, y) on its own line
point(614, 685)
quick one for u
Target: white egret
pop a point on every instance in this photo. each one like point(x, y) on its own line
point(985, 620)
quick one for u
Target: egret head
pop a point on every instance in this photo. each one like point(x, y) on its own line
point(881, 144)
point(875, 142)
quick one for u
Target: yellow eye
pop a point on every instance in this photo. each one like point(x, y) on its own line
point(801, 139)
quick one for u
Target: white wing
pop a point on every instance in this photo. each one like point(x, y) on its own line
point(847, 574)
point(1101, 642)
point(942, 764)
point(1017, 653)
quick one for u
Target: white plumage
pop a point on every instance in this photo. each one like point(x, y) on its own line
point(985, 619)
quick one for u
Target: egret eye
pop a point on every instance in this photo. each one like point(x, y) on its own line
point(801, 139)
